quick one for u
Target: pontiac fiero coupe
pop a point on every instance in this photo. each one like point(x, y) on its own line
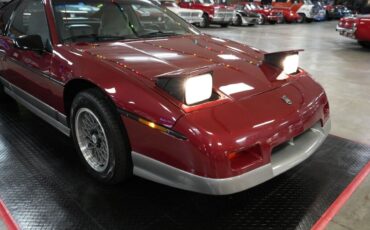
point(142, 92)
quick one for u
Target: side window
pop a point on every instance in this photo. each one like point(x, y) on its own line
point(5, 13)
point(30, 19)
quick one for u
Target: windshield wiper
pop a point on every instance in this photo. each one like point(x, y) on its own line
point(158, 33)
point(95, 37)
point(110, 37)
point(74, 38)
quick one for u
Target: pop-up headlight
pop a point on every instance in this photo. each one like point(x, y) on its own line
point(290, 64)
point(286, 60)
point(189, 90)
point(198, 89)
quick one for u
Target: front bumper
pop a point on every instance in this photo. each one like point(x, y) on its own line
point(250, 20)
point(193, 20)
point(350, 33)
point(275, 18)
point(283, 159)
point(222, 18)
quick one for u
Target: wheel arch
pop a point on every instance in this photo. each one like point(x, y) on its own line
point(75, 86)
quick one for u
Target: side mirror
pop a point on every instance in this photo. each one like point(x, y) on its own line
point(30, 42)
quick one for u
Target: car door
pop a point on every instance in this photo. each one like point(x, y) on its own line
point(28, 70)
point(5, 14)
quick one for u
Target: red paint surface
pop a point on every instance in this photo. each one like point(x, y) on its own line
point(342, 199)
point(7, 218)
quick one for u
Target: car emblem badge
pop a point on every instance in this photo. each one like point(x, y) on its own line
point(287, 100)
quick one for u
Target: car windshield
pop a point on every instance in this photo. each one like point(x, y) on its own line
point(239, 7)
point(206, 1)
point(99, 20)
point(254, 6)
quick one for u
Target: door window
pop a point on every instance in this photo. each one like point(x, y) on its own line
point(30, 19)
point(6, 12)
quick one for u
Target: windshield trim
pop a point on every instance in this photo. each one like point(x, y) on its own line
point(190, 29)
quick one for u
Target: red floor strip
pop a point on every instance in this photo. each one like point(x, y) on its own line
point(7, 218)
point(342, 199)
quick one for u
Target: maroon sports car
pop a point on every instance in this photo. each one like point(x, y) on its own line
point(142, 92)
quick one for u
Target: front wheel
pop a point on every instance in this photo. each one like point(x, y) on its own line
point(302, 18)
point(237, 21)
point(309, 20)
point(100, 137)
point(205, 22)
point(261, 21)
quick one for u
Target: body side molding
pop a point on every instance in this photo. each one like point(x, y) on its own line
point(41, 109)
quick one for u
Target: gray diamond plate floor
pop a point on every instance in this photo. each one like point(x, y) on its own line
point(44, 187)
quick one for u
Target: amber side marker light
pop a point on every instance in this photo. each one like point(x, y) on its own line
point(152, 125)
point(232, 155)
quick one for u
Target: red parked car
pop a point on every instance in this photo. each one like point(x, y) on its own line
point(270, 15)
point(356, 27)
point(290, 15)
point(160, 100)
point(214, 12)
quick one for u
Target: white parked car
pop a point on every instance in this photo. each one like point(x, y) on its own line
point(191, 16)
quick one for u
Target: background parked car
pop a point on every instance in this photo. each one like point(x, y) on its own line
point(244, 16)
point(338, 12)
point(289, 15)
point(214, 12)
point(190, 15)
point(319, 12)
point(302, 7)
point(270, 15)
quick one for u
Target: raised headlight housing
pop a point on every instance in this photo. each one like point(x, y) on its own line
point(288, 61)
point(198, 89)
point(290, 64)
point(190, 90)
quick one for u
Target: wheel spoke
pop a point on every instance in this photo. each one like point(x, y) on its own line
point(92, 139)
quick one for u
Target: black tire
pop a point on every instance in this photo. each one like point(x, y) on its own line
point(364, 44)
point(309, 20)
point(119, 164)
point(302, 19)
point(225, 25)
point(205, 22)
point(281, 21)
point(327, 16)
point(262, 21)
point(238, 21)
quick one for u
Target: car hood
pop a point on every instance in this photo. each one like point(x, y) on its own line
point(183, 10)
point(230, 62)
